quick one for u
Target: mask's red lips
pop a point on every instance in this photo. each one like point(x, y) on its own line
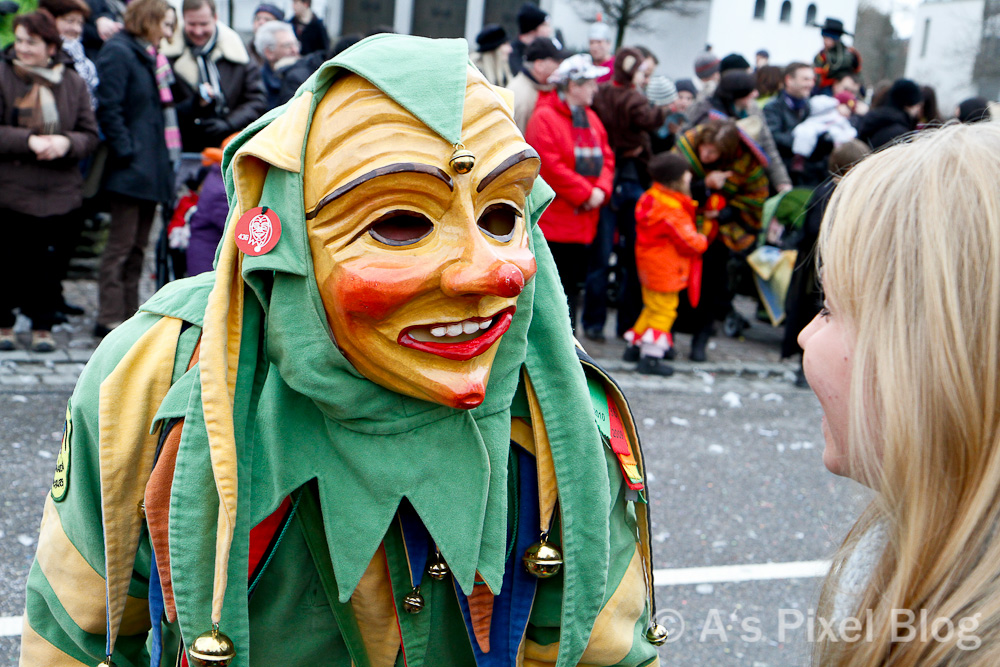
point(462, 351)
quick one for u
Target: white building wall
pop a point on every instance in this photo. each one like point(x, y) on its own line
point(676, 40)
point(943, 49)
point(733, 28)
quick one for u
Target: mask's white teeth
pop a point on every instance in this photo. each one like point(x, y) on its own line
point(486, 324)
point(455, 329)
point(470, 327)
point(439, 331)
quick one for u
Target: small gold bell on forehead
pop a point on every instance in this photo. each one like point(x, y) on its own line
point(542, 559)
point(212, 649)
point(437, 569)
point(462, 160)
point(107, 662)
point(413, 602)
point(656, 634)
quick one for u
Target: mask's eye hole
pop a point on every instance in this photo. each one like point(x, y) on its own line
point(498, 221)
point(400, 228)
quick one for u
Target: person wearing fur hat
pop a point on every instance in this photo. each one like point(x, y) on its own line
point(836, 58)
point(532, 23)
point(492, 55)
point(366, 438)
point(897, 117)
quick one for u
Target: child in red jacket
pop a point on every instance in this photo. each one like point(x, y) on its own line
point(666, 242)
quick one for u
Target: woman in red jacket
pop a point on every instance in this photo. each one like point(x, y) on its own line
point(577, 162)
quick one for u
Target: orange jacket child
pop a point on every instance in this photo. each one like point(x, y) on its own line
point(667, 241)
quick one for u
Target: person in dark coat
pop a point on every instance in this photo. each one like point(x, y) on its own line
point(786, 111)
point(309, 28)
point(218, 89)
point(46, 127)
point(103, 23)
point(898, 116)
point(804, 299)
point(134, 117)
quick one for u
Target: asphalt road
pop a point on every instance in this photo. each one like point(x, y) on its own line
point(735, 477)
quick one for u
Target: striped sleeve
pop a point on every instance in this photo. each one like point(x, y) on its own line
point(64, 620)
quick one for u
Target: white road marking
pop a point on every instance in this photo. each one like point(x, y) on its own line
point(739, 573)
point(10, 626)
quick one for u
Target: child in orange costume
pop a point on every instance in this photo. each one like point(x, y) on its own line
point(666, 242)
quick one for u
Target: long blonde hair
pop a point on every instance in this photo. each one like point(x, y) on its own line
point(495, 66)
point(910, 260)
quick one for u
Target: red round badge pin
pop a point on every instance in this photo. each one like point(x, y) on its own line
point(258, 231)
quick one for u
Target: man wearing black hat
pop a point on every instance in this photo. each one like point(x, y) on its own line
point(532, 23)
point(836, 58)
point(541, 59)
point(898, 116)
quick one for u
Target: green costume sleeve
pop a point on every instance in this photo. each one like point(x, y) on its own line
point(65, 619)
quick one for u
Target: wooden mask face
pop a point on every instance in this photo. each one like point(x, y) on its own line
point(419, 266)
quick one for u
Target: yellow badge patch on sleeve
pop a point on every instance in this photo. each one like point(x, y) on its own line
point(60, 482)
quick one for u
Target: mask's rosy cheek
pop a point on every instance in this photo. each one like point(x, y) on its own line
point(363, 288)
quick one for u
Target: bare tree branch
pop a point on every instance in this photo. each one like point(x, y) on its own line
point(625, 14)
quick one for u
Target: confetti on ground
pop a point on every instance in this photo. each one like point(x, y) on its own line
point(776, 398)
point(25, 540)
point(732, 399)
point(648, 422)
point(45, 454)
point(716, 449)
point(704, 589)
point(677, 421)
point(17, 398)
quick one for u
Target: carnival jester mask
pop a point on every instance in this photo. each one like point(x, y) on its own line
point(419, 257)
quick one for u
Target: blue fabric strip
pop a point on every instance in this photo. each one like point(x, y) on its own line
point(512, 607)
point(416, 541)
point(156, 605)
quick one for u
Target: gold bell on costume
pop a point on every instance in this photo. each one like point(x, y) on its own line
point(542, 559)
point(462, 160)
point(437, 569)
point(413, 603)
point(107, 662)
point(656, 634)
point(212, 649)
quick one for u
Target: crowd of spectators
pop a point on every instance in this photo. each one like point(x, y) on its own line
point(124, 107)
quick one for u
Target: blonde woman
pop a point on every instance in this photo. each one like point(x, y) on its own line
point(492, 55)
point(905, 360)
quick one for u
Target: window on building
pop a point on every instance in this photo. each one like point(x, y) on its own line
point(923, 40)
point(758, 10)
point(811, 15)
point(786, 12)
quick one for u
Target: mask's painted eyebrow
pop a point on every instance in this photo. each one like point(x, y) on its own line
point(527, 154)
point(397, 168)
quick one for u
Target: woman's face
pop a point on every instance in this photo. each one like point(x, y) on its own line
point(70, 26)
point(827, 360)
point(169, 24)
point(32, 49)
point(708, 153)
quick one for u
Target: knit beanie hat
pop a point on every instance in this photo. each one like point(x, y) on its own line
point(669, 167)
point(905, 93)
point(733, 61)
point(736, 85)
point(686, 86)
point(271, 9)
point(974, 110)
point(599, 31)
point(705, 66)
point(530, 17)
point(661, 91)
